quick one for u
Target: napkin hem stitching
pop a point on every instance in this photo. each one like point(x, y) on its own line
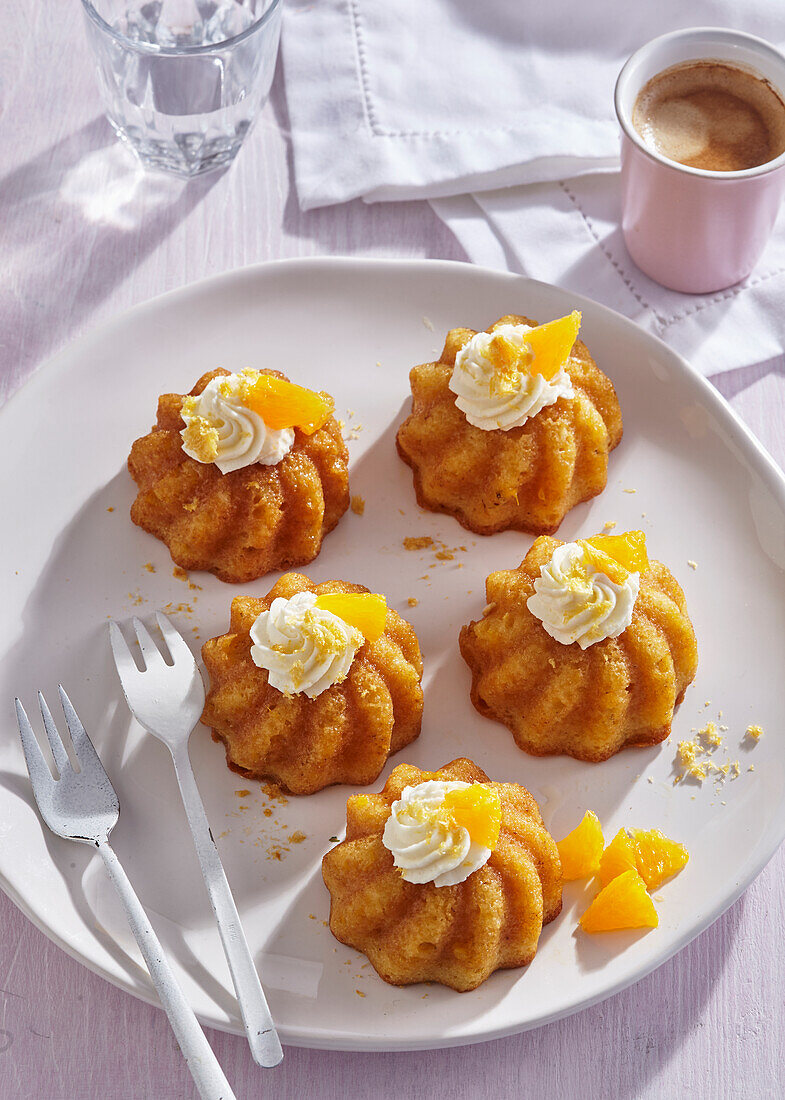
point(376, 128)
point(664, 322)
point(625, 278)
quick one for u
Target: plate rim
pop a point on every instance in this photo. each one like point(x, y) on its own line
point(753, 451)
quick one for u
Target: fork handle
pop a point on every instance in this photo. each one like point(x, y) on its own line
point(259, 1027)
point(198, 1053)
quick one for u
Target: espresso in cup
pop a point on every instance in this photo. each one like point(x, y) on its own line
point(711, 115)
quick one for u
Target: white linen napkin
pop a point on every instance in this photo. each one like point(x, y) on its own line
point(424, 98)
point(569, 233)
point(512, 102)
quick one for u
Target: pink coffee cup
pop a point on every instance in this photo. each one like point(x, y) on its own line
point(689, 229)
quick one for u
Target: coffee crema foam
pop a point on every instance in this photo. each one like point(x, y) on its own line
point(711, 115)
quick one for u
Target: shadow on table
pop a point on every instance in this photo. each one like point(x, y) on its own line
point(76, 220)
point(730, 383)
point(388, 225)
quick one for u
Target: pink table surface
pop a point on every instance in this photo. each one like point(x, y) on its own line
point(84, 236)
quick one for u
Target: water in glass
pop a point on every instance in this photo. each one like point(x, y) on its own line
point(183, 80)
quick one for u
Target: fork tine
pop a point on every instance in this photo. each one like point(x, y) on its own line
point(55, 740)
point(150, 650)
point(83, 746)
point(37, 766)
point(126, 665)
point(176, 643)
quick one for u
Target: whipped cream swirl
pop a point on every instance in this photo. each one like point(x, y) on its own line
point(489, 400)
point(575, 602)
point(219, 428)
point(424, 846)
point(304, 649)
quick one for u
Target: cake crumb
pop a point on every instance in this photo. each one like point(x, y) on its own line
point(358, 505)
point(412, 601)
point(444, 555)
point(312, 916)
point(179, 574)
point(692, 564)
point(754, 733)
point(609, 525)
point(149, 567)
point(378, 362)
point(359, 993)
point(751, 768)
point(267, 811)
point(428, 323)
point(629, 490)
point(419, 542)
point(297, 837)
point(243, 793)
point(110, 509)
point(711, 735)
point(649, 778)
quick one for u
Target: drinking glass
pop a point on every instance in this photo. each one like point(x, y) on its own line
point(183, 80)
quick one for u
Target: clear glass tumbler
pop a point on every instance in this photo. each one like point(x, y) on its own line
point(183, 80)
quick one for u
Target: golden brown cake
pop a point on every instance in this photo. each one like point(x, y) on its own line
point(455, 934)
point(563, 698)
point(247, 522)
point(342, 735)
point(524, 478)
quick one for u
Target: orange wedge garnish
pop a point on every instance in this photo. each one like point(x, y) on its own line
point(656, 856)
point(282, 404)
point(623, 903)
point(628, 550)
point(477, 809)
point(652, 854)
point(581, 849)
point(617, 858)
point(552, 343)
point(364, 610)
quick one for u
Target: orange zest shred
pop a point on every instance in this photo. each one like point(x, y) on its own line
point(282, 404)
point(552, 343)
point(477, 809)
point(366, 611)
point(581, 849)
point(623, 903)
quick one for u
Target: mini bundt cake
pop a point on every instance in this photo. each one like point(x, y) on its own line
point(584, 649)
point(512, 427)
point(443, 877)
point(244, 475)
point(314, 684)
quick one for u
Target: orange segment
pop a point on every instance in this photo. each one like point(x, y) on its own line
point(628, 550)
point(623, 903)
point(552, 343)
point(581, 849)
point(617, 858)
point(477, 809)
point(656, 856)
point(282, 404)
point(363, 610)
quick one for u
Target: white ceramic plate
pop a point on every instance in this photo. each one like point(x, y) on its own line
point(704, 490)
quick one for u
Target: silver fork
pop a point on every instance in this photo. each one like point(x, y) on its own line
point(83, 806)
point(167, 700)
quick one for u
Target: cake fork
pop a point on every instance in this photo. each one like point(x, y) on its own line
point(167, 700)
point(83, 806)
